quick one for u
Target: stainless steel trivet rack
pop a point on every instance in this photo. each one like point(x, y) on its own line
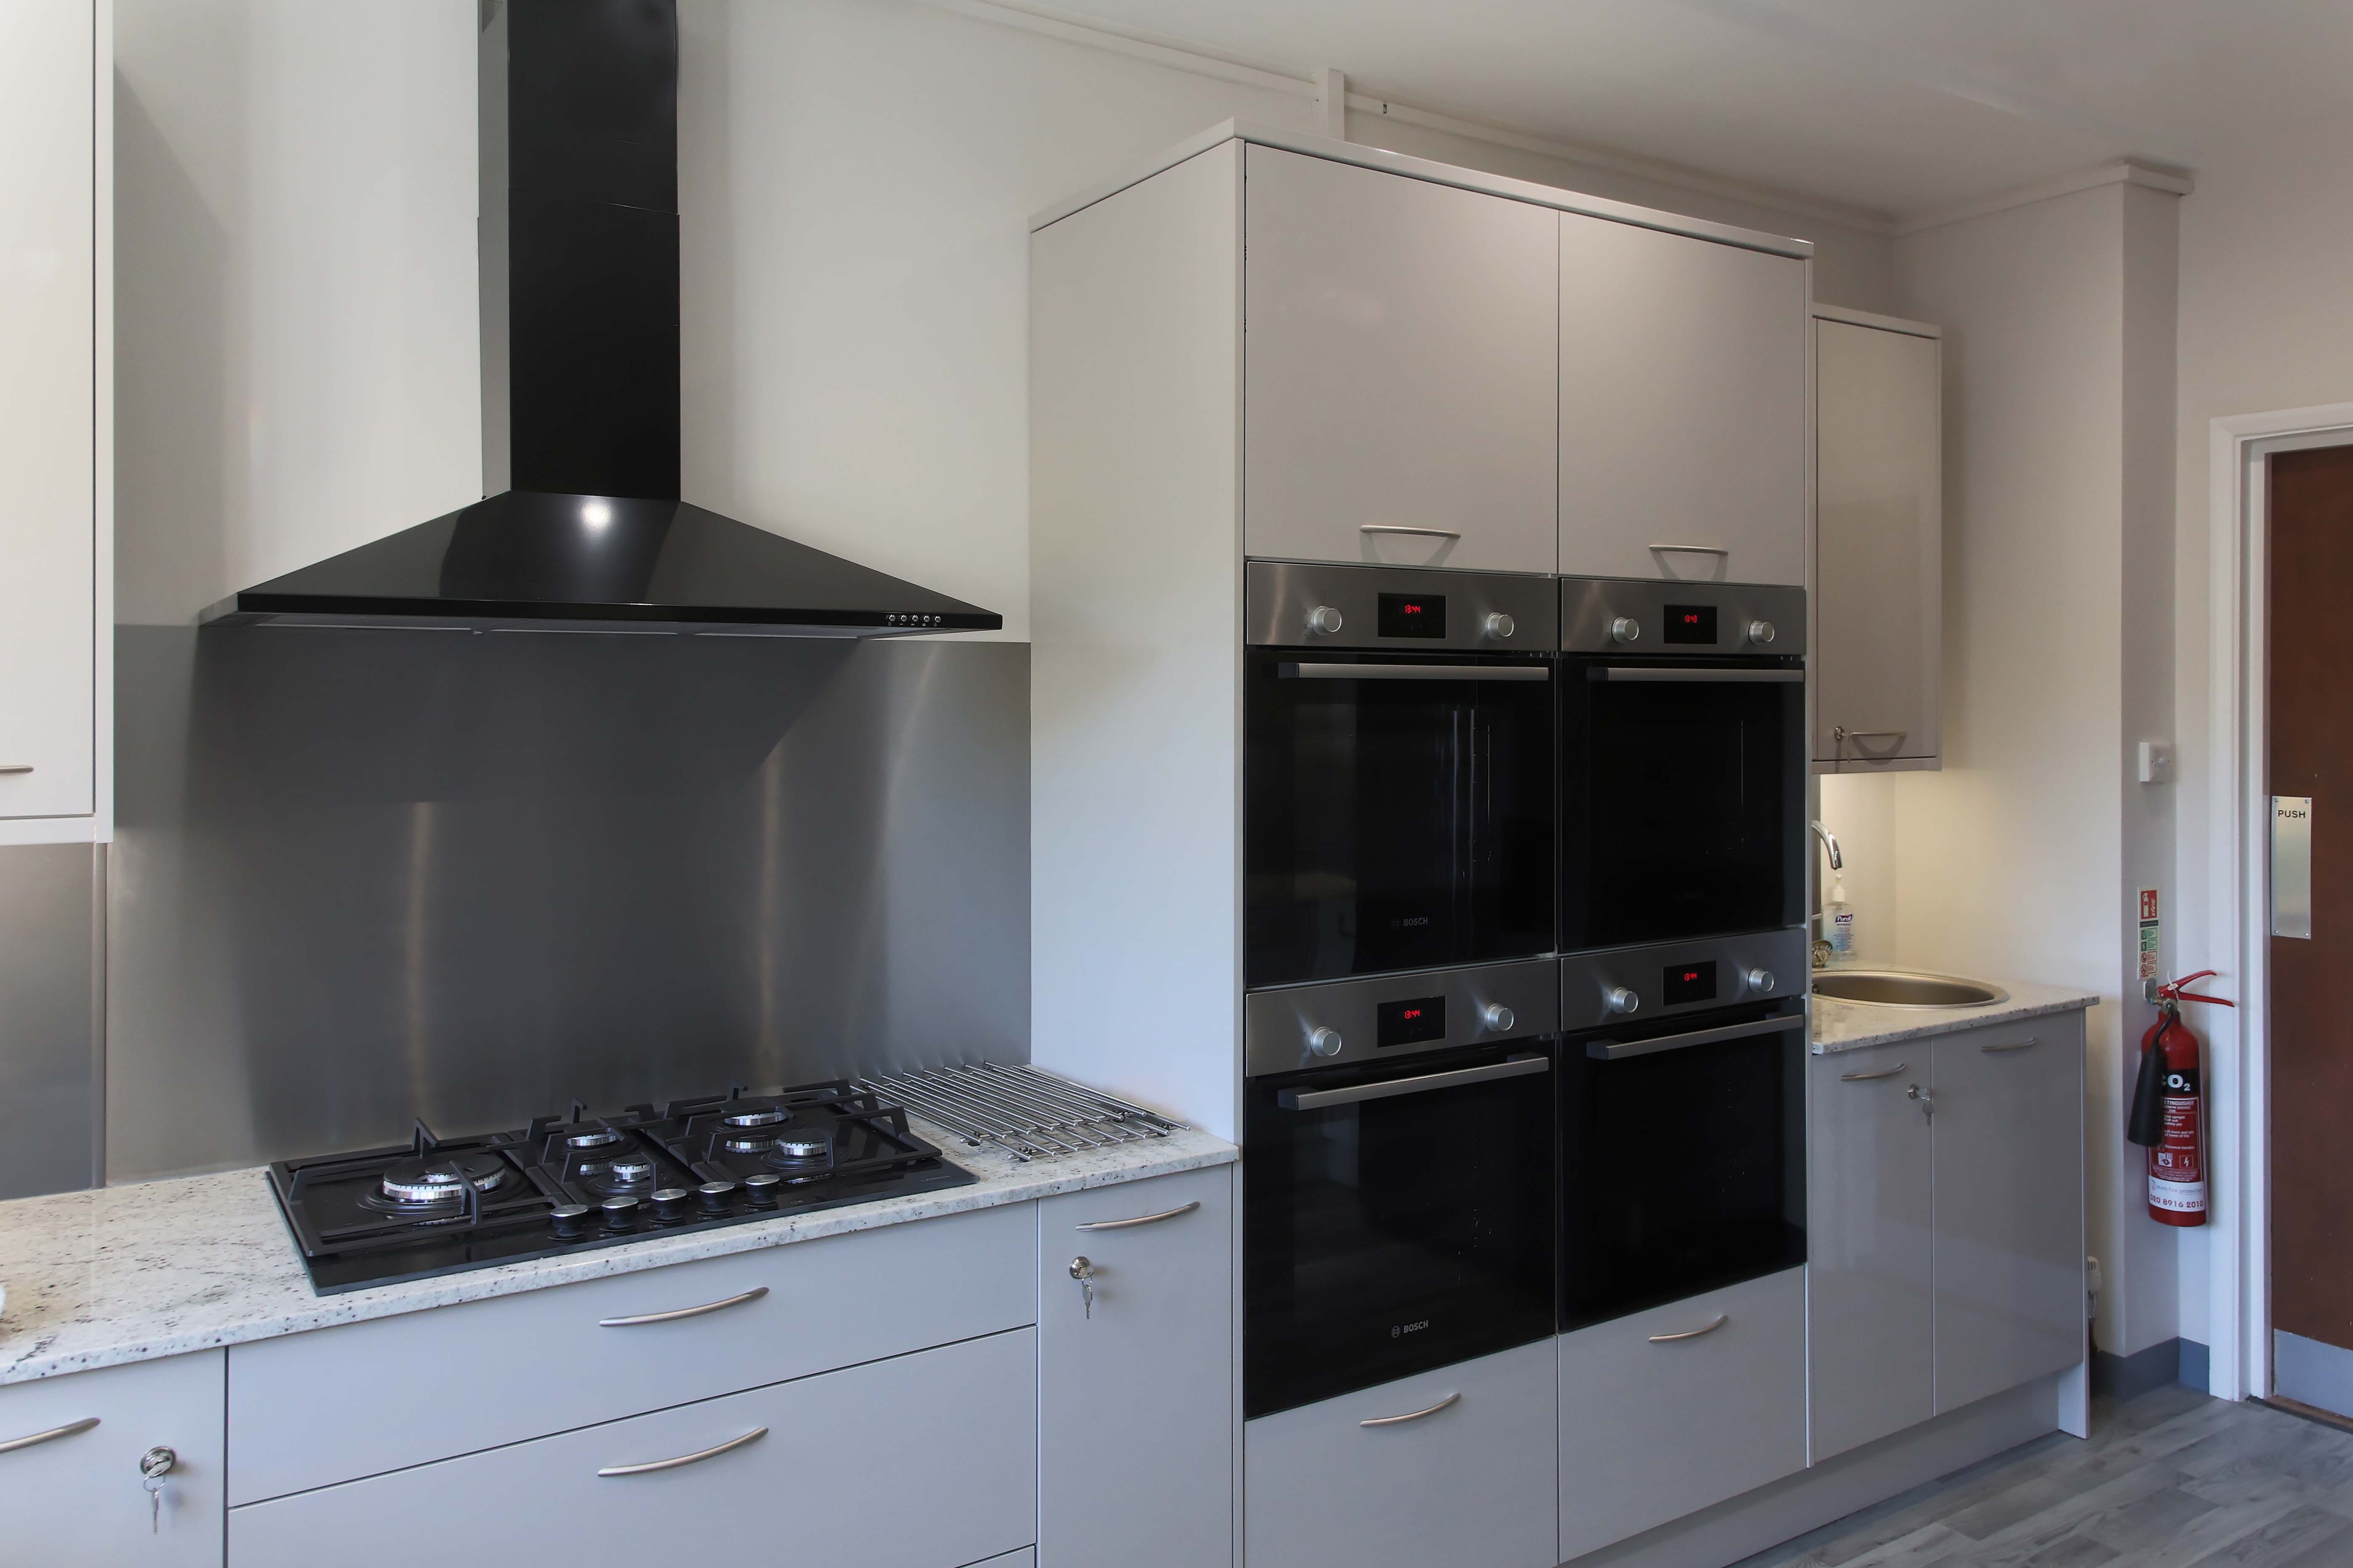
point(1027, 1113)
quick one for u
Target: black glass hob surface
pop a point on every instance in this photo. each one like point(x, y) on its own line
point(567, 1184)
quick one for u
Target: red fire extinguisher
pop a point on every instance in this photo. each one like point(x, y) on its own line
point(2169, 1109)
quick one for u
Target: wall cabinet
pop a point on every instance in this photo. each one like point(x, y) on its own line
point(1135, 1389)
point(1682, 406)
point(1944, 1221)
point(55, 420)
point(1878, 612)
point(78, 1496)
point(1398, 369)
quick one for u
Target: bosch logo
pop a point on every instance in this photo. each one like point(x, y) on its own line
point(1399, 1330)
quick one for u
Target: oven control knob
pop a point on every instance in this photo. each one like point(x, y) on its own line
point(565, 1219)
point(1760, 632)
point(1500, 625)
point(713, 1196)
point(1324, 1042)
point(1618, 999)
point(1323, 620)
point(1760, 981)
point(1498, 1017)
point(1625, 628)
point(669, 1205)
point(620, 1214)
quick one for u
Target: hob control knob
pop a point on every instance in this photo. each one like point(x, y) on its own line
point(713, 1196)
point(1618, 999)
point(1498, 1017)
point(760, 1190)
point(620, 1214)
point(1323, 620)
point(1325, 1042)
point(1625, 628)
point(1760, 632)
point(1500, 625)
point(1760, 981)
point(669, 1205)
point(565, 1219)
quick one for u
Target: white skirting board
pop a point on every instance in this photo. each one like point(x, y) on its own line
point(1771, 1514)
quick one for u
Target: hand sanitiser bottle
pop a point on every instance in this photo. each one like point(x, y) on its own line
point(1838, 921)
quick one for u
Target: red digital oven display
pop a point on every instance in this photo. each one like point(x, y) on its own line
point(1690, 983)
point(1410, 1023)
point(1412, 615)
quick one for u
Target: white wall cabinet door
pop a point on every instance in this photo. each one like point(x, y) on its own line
point(921, 1461)
point(1878, 612)
point(2010, 1205)
point(51, 378)
point(1870, 1237)
point(1135, 1392)
point(1682, 407)
point(80, 1498)
point(1399, 367)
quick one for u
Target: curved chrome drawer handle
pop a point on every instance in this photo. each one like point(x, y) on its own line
point(676, 1313)
point(1401, 528)
point(1413, 1415)
point(71, 1428)
point(1691, 550)
point(2027, 1044)
point(1721, 1319)
point(1141, 1219)
point(650, 1466)
point(1867, 1076)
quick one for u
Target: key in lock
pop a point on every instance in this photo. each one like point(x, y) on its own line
point(153, 1466)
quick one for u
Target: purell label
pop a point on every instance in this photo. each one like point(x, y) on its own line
point(1843, 932)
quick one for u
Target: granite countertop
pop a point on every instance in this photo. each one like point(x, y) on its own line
point(123, 1273)
point(1852, 1026)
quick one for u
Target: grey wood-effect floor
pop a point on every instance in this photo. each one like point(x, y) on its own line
point(2171, 1480)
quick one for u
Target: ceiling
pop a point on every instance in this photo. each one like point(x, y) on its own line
point(1894, 107)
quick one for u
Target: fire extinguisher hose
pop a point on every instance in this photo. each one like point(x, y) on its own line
point(2146, 1125)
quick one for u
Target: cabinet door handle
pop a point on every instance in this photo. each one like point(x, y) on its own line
point(1140, 1219)
point(650, 1466)
point(15, 767)
point(675, 1314)
point(1721, 1319)
point(1400, 528)
point(1413, 1415)
point(1693, 550)
point(2027, 1044)
point(1867, 1076)
point(69, 1429)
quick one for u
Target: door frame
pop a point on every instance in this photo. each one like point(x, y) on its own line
point(2238, 873)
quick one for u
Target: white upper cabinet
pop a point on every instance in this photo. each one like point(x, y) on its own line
point(56, 392)
point(1398, 369)
point(1682, 407)
point(1878, 545)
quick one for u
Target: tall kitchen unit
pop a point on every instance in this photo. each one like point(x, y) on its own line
point(1382, 406)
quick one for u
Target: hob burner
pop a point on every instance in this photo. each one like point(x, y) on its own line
point(416, 1182)
point(764, 1116)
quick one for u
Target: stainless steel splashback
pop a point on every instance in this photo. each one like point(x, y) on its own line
point(366, 875)
point(49, 999)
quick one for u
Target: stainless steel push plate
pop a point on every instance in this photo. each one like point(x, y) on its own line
point(2292, 866)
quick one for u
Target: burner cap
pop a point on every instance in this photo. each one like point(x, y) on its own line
point(747, 1145)
point(434, 1181)
point(631, 1168)
point(595, 1138)
point(759, 1116)
point(805, 1143)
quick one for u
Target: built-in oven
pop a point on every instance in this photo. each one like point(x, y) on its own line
point(1683, 1141)
point(1398, 1195)
point(1398, 770)
point(1683, 758)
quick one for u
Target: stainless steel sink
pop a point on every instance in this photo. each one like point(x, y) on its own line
point(1905, 988)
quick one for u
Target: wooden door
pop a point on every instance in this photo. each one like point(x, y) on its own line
point(1156, 1493)
point(1682, 407)
point(1398, 361)
point(2311, 723)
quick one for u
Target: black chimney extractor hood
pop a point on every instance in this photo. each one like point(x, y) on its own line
point(582, 526)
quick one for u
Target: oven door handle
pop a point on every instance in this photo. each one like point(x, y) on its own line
point(1709, 677)
point(1414, 672)
point(1618, 1050)
point(1317, 1098)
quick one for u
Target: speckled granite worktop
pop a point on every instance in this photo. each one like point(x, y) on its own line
point(122, 1274)
point(1852, 1026)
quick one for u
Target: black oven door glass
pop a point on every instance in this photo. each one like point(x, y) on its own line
point(1683, 808)
point(1396, 1234)
point(1394, 824)
point(1683, 1170)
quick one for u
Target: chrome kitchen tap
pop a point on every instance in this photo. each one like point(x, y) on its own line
point(1821, 948)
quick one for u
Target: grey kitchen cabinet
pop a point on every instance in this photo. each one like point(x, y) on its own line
point(1945, 1223)
point(1399, 367)
point(926, 1461)
point(1136, 1390)
point(76, 1494)
point(1632, 1456)
point(2010, 1205)
point(1878, 552)
point(1468, 1478)
point(1682, 406)
point(1870, 1219)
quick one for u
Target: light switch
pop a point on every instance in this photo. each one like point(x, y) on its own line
point(2157, 762)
